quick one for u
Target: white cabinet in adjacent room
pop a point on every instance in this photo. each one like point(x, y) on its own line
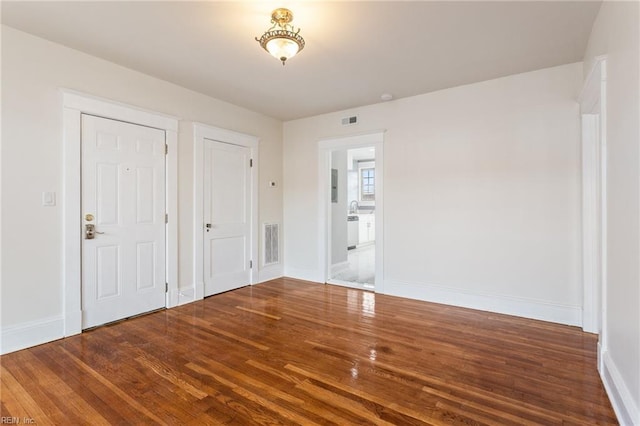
point(367, 228)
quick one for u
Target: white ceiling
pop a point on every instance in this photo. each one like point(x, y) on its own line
point(355, 50)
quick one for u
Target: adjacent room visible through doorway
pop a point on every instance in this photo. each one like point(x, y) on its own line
point(352, 217)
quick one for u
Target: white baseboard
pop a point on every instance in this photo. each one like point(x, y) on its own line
point(304, 274)
point(527, 308)
point(623, 404)
point(268, 273)
point(185, 295)
point(32, 333)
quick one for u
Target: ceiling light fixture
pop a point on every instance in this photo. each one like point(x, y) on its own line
point(281, 40)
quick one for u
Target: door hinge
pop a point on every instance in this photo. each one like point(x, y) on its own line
point(166, 287)
point(251, 162)
point(250, 264)
point(166, 218)
point(166, 149)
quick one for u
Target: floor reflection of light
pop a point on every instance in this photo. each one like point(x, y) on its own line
point(354, 370)
point(373, 354)
point(354, 373)
point(352, 299)
point(368, 304)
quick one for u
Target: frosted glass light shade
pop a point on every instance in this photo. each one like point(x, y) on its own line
point(282, 48)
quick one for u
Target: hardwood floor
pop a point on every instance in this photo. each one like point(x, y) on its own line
point(292, 352)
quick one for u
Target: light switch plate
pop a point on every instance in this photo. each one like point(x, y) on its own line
point(48, 198)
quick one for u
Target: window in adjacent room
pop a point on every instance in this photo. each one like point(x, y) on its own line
point(367, 184)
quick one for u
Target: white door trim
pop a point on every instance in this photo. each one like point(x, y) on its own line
point(325, 146)
point(593, 107)
point(200, 133)
point(594, 201)
point(591, 231)
point(74, 105)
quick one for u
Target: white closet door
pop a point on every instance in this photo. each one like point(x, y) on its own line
point(227, 204)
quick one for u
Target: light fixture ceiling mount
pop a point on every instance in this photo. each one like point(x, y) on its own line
point(282, 40)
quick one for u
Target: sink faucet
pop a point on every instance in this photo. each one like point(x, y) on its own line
point(353, 206)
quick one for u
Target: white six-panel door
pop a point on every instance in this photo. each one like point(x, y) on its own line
point(123, 196)
point(227, 216)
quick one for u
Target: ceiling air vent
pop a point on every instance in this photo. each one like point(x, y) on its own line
point(350, 121)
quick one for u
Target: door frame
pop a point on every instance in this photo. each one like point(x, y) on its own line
point(594, 202)
point(325, 147)
point(74, 105)
point(200, 133)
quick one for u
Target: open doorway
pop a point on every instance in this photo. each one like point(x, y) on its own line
point(353, 212)
point(352, 168)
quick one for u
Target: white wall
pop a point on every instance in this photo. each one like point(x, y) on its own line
point(616, 33)
point(33, 71)
point(482, 194)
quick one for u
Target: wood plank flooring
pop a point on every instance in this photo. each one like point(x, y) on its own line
point(292, 352)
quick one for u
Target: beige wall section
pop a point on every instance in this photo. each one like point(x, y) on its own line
point(482, 192)
point(33, 71)
point(616, 34)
